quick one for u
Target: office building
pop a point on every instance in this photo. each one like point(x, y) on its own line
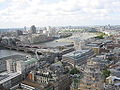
point(78, 57)
point(19, 32)
point(92, 79)
point(8, 80)
point(33, 29)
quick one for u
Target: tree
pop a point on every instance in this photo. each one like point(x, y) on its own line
point(110, 59)
point(106, 73)
point(100, 37)
point(74, 71)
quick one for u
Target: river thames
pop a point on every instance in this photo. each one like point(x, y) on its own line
point(58, 42)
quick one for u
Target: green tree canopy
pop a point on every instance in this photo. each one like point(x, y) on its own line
point(74, 71)
point(100, 37)
point(106, 73)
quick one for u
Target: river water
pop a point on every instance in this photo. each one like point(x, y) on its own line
point(5, 53)
point(59, 42)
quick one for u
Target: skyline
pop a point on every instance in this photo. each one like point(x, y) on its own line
point(19, 13)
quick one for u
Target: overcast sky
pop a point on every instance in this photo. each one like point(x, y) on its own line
point(20, 13)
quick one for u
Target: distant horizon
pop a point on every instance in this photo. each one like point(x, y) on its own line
point(20, 13)
point(58, 26)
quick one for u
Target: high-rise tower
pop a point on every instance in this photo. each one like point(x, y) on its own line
point(33, 29)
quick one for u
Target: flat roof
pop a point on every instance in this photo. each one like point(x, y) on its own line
point(5, 76)
point(31, 83)
point(77, 53)
point(30, 61)
point(92, 44)
point(57, 64)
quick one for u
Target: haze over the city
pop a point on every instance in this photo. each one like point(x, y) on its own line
point(59, 44)
point(19, 13)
